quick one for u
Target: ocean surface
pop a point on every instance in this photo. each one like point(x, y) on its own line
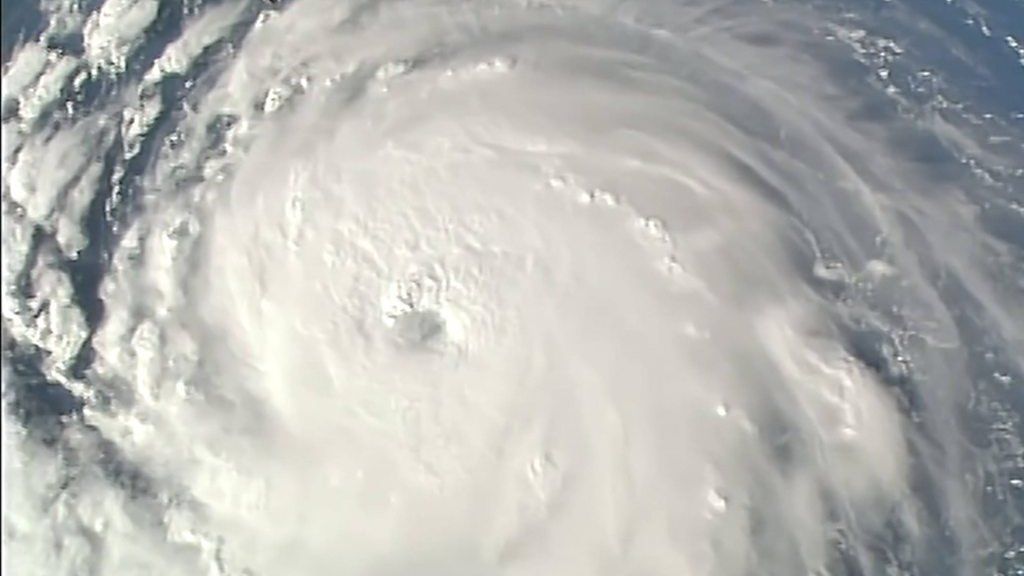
point(538, 287)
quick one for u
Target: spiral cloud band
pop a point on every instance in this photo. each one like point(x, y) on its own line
point(540, 288)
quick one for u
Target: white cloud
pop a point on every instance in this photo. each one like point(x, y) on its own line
point(519, 290)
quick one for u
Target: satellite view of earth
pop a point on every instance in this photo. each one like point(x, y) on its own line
point(513, 287)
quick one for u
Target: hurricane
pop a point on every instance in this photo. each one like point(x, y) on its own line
point(513, 287)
